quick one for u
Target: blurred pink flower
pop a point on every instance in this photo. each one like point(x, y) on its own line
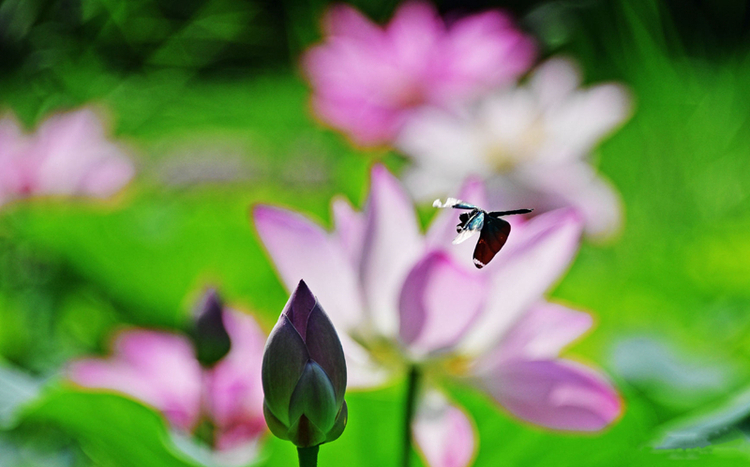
point(161, 370)
point(531, 143)
point(366, 79)
point(68, 155)
point(399, 299)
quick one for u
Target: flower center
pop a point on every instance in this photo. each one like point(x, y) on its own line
point(505, 154)
point(384, 351)
point(457, 365)
point(407, 94)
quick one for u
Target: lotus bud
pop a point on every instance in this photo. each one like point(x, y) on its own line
point(209, 335)
point(304, 374)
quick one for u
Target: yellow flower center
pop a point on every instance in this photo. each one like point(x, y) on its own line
point(504, 156)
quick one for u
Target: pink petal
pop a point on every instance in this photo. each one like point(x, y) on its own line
point(541, 333)
point(579, 185)
point(554, 81)
point(558, 394)
point(426, 183)
point(344, 20)
point(14, 178)
point(301, 249)
point(234, 394)
point(366, 80)
point(486, 50)
point(68, 148)
point(438, 302)
point(442, 142)
point(157, 368)
point(349, 229)
point(391, 246)
point(589, 115)
point(443, 433)
point(534, 258)
point(107, 177)
point(367, 124)
point(414, 32)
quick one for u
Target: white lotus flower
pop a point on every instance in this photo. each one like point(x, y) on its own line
point(531, 143)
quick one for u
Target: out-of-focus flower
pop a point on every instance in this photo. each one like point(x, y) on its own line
point(367, 79)
point(161, 370)
point(304, 374)
point(530, 142)
point(68, 155)
point(400, 299)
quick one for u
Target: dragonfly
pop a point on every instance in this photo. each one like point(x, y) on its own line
point(493, 230)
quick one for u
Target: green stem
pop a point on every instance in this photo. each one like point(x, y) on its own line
point(308, 457)
point(409, 408)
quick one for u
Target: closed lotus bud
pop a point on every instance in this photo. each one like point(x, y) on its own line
point(304, 374)
point(209, 335)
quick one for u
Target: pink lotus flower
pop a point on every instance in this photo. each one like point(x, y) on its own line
point(161, 370)
point(367, 79)
point(531, 143)
point(401, 299)
point(68, 155)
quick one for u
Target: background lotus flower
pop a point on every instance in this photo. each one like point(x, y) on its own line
point(161, 370)
point(68, 155)
point(414, 301)
point(304, 374)
point(531, 143)
point(366, 79)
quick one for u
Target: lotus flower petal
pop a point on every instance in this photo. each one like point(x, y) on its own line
point(522, 272)
point(350, 229)
point(157, 368)
point(443, 432)
point(439, 301)
point(367, 80)
point(391, 247)
point(558, 394)
point(541, 333)
point(233, 387)
point(302, 250)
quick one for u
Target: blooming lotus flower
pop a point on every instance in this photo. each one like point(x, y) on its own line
point(367, 79)
point(531, 143)
point(68, 155)
point(161, 370)
point(304, 374)
point(400, 299)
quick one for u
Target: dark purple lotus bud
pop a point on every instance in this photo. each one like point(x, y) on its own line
point(208, 332)
point(304, 374)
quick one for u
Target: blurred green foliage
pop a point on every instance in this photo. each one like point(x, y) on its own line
point(208, 97)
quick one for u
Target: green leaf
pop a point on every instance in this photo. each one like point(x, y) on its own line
point(16, 389)
point(113, 430)
point(721, 425)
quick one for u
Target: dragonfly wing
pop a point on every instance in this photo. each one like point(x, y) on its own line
point(494, 234)
point(452, 203)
